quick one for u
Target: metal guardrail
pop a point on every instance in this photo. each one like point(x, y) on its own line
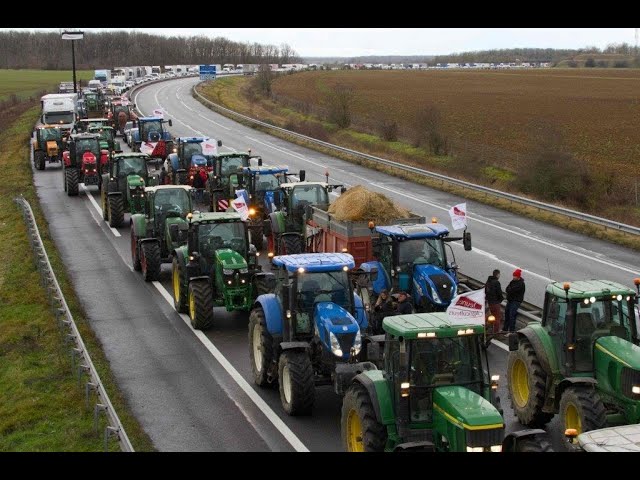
point(81, 360)
point(471, 186)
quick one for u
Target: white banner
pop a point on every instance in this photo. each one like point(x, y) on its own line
point(147, 147)
point(241, 207)
point(458, 214)
point(158, 112)
point(209, 147)
point(467, 308)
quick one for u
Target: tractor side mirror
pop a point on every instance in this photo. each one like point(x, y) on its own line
point(513, 342)
point(219, 143)
point(302, 175)
point(170, 123)
point(454, 266)
point(466, 240)
point(259, 161)
point(173, 232)
point(252, 250)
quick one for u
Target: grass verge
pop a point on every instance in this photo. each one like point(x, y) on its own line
point(227, 93)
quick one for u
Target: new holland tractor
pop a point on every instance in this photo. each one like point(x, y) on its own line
point(188, 156)
point(122, 187)
point(288, 222)
point(433, 393)
point(151, 130)
point(47, 145)
point(581, 361)
point(216, 267)
point(81, 162)
point(155, 233)
point(308, 332)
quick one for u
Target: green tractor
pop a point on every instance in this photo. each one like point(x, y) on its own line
point(581, 361)
point(155, 234)
point(225, 169)
point(434, 393)
point(216, 267)
point(122, 187)
point(94, 104)
point(107, 138)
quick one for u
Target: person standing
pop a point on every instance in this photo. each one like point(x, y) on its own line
point(494, 296)
point(404, 304)
point(515, 296)
point(382, 308)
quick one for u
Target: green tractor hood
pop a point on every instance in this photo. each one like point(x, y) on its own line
point(134, 181)
point(617, 369)
point(230, 259)
point(466, 419)
point(608, 349)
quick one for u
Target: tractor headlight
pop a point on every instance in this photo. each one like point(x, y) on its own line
point(434, 294)
point(335, 345)
point(475, 449)
point(496, 448)
point(252, 211)
point(635, 389)
point(357, 343)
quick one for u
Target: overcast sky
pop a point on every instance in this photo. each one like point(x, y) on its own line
point(349, 42)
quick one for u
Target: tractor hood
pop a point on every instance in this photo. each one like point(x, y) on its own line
point(332, 318)
point(619, 350)
point(134, 181)
point(433, 283)
point(466, 409)
point(230, 259)
point(198, 160)
point(52, 148)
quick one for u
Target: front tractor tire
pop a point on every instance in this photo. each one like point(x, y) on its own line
point(71, 181)
point(295, 379)
point(200, 304)
point(361, 432)
point(179, 293)
point(39, 159)
point(150, 261)
point(135, 254)
point(581, 408)
point(116, 210)
point(527, 381)
point(536, 444)
point(260, 348)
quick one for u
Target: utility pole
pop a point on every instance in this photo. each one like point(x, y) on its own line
point(73, 36)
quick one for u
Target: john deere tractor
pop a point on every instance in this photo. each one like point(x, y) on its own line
point(155, 233)
point(81, 163)
point(122, 187)
point(581, 361)
point(107, 138)
point(47, 145)
point(308, 332)
point(216, 267)
point(433, 393)
point(225, 172)
point(94, 104)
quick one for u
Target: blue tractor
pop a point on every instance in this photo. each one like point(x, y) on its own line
point(413, 258)
point(308, 332)
point(190, 154)
point(150, 131)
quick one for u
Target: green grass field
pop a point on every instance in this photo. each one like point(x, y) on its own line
point(28, 83)
point(42, 407)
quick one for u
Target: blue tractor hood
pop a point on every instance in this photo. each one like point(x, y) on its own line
point(330, 317)
point(432, 285)
point(198, 160)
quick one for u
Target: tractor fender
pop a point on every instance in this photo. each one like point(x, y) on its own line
point(294, 346)
point(114, 194)
point(568, 382)
point(509, 442)
point(383, 410)
point(66, 158)
point(538, 347)
point(272, 312)
point(382, 281)
point(179, 256)
point(148, 240)
point(138, 225)
point(361, 314)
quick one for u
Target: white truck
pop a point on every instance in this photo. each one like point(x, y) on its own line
point(60, 109)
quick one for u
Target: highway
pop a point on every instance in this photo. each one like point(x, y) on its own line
point(193, 391)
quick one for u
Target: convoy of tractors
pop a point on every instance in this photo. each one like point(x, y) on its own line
point(417, 381)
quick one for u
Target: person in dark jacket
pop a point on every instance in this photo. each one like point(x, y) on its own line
point(515, 296)
point(382, 308)
point(493, 294)
point(198, 184)
point(404, 304)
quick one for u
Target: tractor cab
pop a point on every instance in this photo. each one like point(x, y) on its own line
point(189, 156)
point(129, 172)
point(94, 103)
point(224, 179)
point(49, 138)
point(151, 131)
point(107, 137)
point(84, 149)
point(84, 124)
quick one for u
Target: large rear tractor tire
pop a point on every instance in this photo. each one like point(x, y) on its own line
point(200, 304)
point(527, 381)
point(150, 261)
point(536, 444)
point(581, 408)
point(179, 292)
point(291, 244)
point(39, 159)
point(296, 382)
point(361, 432)
point(116, 210)
point(71, 180)
point(64, 178)
point(135, 254)
point(260, 349)
point(105, 205)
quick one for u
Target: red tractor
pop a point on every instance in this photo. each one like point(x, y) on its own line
point(83, 162)
point(120, 113)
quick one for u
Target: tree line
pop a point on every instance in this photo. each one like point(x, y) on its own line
point(46, 50)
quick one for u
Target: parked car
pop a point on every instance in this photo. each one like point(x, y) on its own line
point(130, 136)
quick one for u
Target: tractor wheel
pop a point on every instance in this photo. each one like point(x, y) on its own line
point(258, 239)
point(64, 178)
point(527, 381)
point(361, 432)
point(297, 386)
point(536, 443)
point(39, 159)
point(581, 408)
point(291, 244)
point(260, 348)
point(200, 304)
point(179, 294)
point(135, 254)
point(150, 261)
point(71, 181)
point(260, 287)
point(116, 210)
point(105, 205)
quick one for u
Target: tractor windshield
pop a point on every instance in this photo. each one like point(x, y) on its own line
point(59, 117)
point(423, 250)
point(214, 236)
point(172, 199)
point(151, 131)
point(51, 134)
point(192, 148)
point(230, 165)
point(309, 195)
point(106, 135)
point(132, 166)
point(323, 287)
point(266, 181)
point(90, 144)
point(443, 361)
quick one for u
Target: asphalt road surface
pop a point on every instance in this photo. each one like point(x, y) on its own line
point(192, 390)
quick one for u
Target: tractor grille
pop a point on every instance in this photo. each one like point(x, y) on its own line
point(485, 438)
point(443, 286)
point(628, 378)
point(346, 341)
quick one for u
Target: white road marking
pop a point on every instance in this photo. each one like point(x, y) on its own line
point(499, 344)
point(98, 208)
point(212, 121)
point(242, 383)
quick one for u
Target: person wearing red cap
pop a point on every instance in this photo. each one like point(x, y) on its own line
point(515, 296)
